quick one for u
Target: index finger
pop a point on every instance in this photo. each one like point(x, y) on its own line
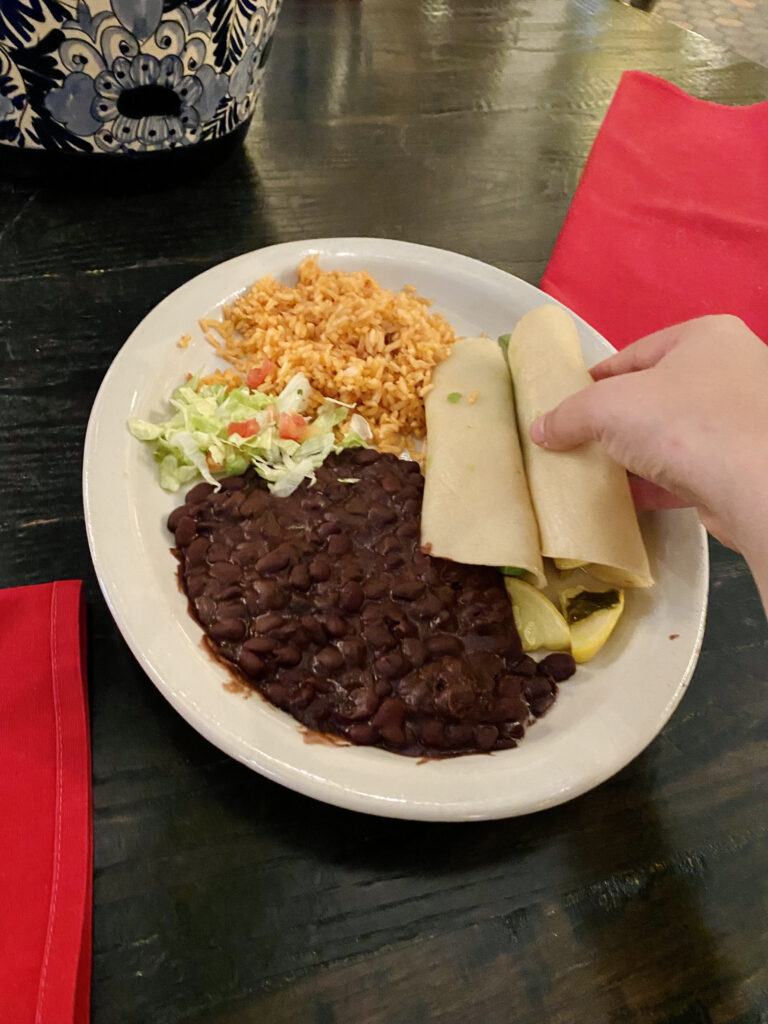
point(640, 355)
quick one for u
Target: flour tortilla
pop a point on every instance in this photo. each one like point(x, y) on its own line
point(476, 507)
point(582, 500)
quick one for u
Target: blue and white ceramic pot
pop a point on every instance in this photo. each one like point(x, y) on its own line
point(129, 77)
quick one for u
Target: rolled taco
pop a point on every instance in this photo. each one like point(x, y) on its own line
point(476, 507)
point(581, 498)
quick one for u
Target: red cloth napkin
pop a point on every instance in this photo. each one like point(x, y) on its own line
point(670, 219)
point(45, 807)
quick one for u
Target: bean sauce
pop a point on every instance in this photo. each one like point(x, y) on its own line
point(325, 604)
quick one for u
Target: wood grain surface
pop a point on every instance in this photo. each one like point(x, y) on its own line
point(221, 898)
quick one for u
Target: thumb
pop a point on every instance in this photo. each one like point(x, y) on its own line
point(569, 424)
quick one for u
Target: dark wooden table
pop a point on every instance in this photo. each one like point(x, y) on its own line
point(221, 898)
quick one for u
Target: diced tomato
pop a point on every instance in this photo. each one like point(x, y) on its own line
point(258, 374)
point(247, 428)
point(292, 426)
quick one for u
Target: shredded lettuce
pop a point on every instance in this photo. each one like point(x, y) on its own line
point(194, 441)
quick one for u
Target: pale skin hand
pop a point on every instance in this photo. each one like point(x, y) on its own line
point(686, 410)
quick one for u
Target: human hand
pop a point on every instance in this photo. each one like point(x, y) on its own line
point(686, 410)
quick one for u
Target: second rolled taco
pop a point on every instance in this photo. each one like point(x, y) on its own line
point(581, 498)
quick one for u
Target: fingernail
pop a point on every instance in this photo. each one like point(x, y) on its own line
point(537, 431)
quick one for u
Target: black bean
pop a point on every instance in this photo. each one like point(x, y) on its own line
point(428, 606)
point(391, 665)
point(227, 629)
point(433, 734)
point(536, 688)
point(525, 666)
point(512, 730)
point(314, 628)
point(274, 561)
point(411, 493)
point(486, 736)
point(456, 699)
point(260, 644)
point(251, 663)
point(394, 562)
point(232, 504)
point(350, 569)
point(267, 623)
point(231, 483)
point(289, 655)
point(196, 585)
point(320, 568)
point(408, 529)
point(287, 628)
point(390, 719)
point(231, 609)
point(335, 625)
point(408, 590)
point(196, 551)
point(351, 597)
point(254, 504)
point(249, 551)
point(542, 704)
point(382, 688)
point(186, 531)
point(329, 659)
point(299, 577)
point(390, 483)
point(217, 552)
point(510, 709)
point(357, 506)
point(199, 493)
point(225, 572)
point(361, 733)
point(206, 609)
point(317, 711)
point(458, 734)
point(301, 697)
point(175, 517)
point(376, 588)
point(558, 666)
point(267, 596)
point(381, 515)
point(353, 651)
point(313, 502)
point(339, 544)
point(359, 703)
point(485, 664)
point(365, 456)
point(278, 693)
point(511, 686)
point(440, 644)
point(379, 635)
point(415, 651)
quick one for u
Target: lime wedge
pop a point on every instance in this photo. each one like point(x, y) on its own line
point(566, 564)
point(538, 621)
point(592, 617)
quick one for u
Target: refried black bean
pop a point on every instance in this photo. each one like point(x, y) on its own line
point(324, 603)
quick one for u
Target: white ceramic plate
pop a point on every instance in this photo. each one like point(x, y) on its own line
point(603, 718)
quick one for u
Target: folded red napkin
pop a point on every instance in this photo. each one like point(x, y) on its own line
point(45, 807)
point(670, 219)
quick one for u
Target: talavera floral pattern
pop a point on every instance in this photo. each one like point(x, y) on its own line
point(129, 75)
